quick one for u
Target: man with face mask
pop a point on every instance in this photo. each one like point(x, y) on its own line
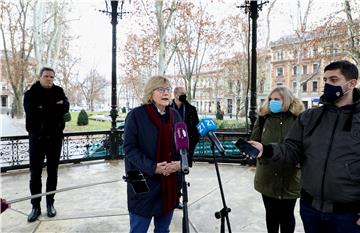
point(326, 142)
point(189, 115)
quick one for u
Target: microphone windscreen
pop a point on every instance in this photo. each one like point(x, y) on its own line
point(181, 136)
point(205, 125)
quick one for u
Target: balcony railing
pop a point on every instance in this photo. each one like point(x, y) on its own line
point(95, 145)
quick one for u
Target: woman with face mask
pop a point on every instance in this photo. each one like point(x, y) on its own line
point(278, 183)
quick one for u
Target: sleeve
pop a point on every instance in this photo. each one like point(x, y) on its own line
point(133, 152)
point(28, 105)
point(256, 134)
point(291, 151)
point(66, 104)
point(195, 122)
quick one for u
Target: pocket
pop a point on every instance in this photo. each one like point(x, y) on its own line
point(353, 169)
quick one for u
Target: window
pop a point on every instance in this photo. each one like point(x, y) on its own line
point(294, 86)
point(306, 104)
point(295, 70)
point(229, 107)
point(304, 87)
point(315, 67)
point(315, 51)
point(280, 56)
point(4, 101)
point(279, 84)
point(279, 71)
point(304, 69)
point(230, 85)
point(314, 86)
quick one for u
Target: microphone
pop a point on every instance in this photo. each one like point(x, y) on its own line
point(207, 127)
point(182, 145)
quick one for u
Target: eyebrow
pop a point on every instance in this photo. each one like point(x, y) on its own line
point(333, 76)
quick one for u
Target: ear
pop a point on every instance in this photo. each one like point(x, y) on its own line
point(353, 82)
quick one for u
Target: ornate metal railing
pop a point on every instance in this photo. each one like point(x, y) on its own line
point(95, 145)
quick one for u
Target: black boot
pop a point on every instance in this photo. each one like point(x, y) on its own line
point(51, 211)
point(34, 214)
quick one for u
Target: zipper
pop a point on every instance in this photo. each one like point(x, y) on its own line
point(282, 165)
point(326, 161)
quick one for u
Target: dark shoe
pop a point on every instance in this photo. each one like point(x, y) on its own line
point(179, 206)
point(34, 214)
point(51, 211)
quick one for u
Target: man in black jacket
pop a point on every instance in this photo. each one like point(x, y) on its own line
point(326, 143)
point(45, 105)
point(189, 115)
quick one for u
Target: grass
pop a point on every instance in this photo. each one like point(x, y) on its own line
point(94, 125)
point(71, 126)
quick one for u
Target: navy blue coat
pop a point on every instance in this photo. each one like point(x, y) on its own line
point(140, 140)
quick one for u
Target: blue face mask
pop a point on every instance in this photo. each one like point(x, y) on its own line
point(275, 106)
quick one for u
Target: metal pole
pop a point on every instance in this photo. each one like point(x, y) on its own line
point(254, 16)
point(114, 112)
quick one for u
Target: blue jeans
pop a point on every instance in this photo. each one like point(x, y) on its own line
point(316, 221)
point(140, 224)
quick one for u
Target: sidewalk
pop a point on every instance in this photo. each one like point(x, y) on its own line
point(103, 208)
point(12, 126)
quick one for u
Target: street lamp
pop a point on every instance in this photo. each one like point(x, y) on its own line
point(252, 7)
point(114, 148)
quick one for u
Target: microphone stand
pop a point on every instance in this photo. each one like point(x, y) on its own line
point(224, 212)
point(184, 164)
point(185, 220)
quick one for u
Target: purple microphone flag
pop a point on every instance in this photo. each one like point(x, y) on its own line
point(181, 136)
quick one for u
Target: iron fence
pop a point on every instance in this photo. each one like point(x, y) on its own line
point(95, 145)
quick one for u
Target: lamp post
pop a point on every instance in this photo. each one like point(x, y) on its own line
point(114, 136)
point(252, 7)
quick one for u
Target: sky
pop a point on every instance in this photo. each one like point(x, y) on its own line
point(95, 30)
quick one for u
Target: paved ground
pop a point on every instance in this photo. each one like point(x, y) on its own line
point(102, 208)
point(11, 126)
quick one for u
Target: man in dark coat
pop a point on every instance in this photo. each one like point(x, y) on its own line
point(189, 115)
point(45, 105)
point(326, 142)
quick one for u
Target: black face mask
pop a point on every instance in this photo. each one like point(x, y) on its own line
point(333, 93)
point(182, 98)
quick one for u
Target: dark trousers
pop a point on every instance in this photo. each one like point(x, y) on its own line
point(39, 147)
point(316, 221)
point(279, 213)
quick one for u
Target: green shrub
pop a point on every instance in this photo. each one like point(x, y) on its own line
point(67, 117)
point(123, 110)
point(220, 115)
point(83, 118)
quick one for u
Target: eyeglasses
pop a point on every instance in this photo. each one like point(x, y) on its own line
point(162, 90)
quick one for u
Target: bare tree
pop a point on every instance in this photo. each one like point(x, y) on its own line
point(66, 71)
point(353, 34)
point(17, 41)
point(301, 32)
point(92, 88)
point(195, 32)
point(163, 23)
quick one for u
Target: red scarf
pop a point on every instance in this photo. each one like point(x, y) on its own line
point(164, 150)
